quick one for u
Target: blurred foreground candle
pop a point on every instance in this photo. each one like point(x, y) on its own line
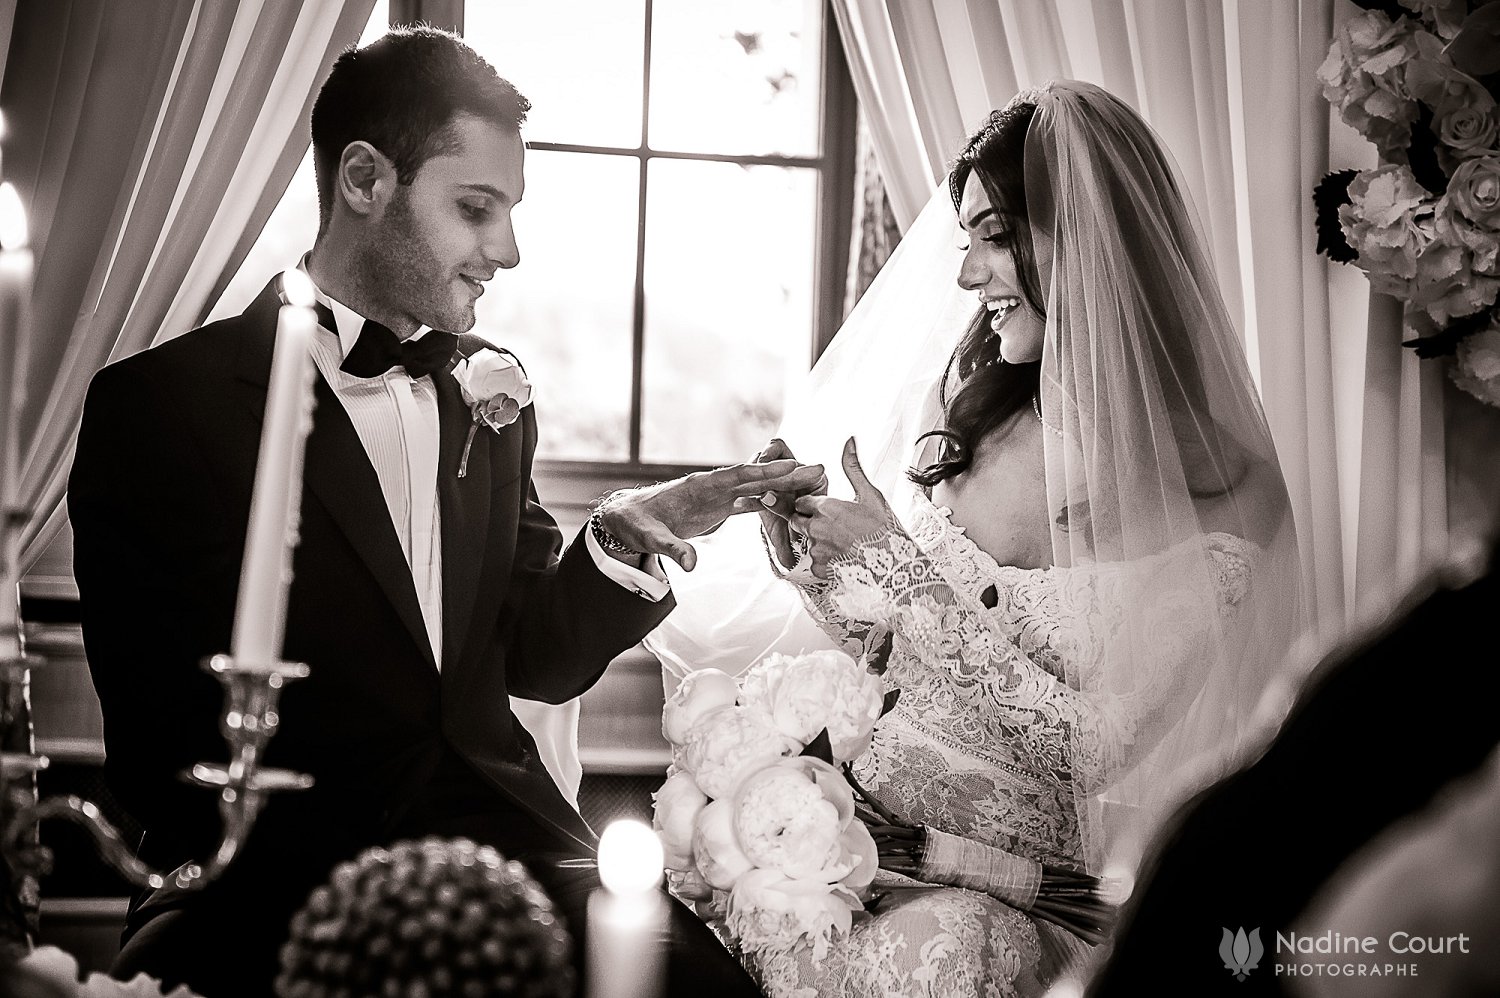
point(15, 332)
point(628, 916)
point(276, 503)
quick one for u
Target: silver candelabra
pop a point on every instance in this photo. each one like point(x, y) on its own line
point(250, 719)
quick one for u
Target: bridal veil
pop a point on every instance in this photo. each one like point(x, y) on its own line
point(1156, 445)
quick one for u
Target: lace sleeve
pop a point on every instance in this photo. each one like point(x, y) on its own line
point(1081, 737)
point(855, 636)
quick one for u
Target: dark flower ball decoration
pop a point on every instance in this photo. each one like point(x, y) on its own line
point(430, 917)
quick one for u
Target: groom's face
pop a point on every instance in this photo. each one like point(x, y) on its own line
point(444, 236)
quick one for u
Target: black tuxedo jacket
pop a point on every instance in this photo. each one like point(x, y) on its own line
point(159, 501)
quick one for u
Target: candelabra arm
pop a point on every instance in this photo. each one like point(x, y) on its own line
point(115, 850)
point(251, 694)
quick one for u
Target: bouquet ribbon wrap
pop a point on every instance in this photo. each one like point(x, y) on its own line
point(960, 862)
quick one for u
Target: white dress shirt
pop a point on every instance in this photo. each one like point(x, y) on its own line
point(396, 419)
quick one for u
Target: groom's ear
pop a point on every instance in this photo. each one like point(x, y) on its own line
point(365, 178)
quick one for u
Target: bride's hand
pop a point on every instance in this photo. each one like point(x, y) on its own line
point(835, 527)
point(774, 508)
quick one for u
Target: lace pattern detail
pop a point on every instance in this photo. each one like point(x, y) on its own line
point(988, 740)
point(921, 941)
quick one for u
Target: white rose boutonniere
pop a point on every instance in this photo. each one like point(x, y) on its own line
point(496, 390)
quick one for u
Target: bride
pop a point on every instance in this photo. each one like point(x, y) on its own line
point(1080, 590)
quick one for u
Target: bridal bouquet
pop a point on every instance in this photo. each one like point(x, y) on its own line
point(754, 805)
point(1419, 79)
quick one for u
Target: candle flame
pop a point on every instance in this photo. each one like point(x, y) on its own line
point(298, 289)
point(12, 218)
point(630, 858)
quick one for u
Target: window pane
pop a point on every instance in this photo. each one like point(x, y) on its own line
point(567, 309)
point(579, 61)
point(729, 272)
point(731, 77)
point(293, 224)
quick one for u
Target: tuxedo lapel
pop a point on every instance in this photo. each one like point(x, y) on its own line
point(465, 513)
point(338, 472)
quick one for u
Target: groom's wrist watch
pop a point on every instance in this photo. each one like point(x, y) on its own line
point(608, 541)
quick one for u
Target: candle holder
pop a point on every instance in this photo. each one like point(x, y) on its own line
point(250, 719)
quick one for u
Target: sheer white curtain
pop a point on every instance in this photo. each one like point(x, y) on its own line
point(1230, 87)
point(142, 136)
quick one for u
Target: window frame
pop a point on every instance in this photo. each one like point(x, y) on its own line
point(569, 487)
point(834, 167)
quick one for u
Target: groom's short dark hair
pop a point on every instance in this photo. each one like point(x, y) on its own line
point(400, 93)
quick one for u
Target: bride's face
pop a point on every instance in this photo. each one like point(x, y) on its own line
point(990, 268)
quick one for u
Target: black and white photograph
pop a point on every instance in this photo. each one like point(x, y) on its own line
point(786, 498)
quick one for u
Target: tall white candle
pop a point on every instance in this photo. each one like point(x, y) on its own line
point(627, 931)
point(15, 332)
point(275, 504)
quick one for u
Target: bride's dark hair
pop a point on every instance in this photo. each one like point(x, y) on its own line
point(979, 390)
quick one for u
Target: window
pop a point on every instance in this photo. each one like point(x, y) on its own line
point(685, 226)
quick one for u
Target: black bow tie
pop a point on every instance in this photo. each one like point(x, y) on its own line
point(378, 350)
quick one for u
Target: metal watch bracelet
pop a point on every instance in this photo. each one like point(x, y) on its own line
point(607, 540)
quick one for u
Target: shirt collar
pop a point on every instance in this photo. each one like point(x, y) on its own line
point(349, 322)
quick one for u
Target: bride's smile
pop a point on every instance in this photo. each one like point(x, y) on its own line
point(996, 266)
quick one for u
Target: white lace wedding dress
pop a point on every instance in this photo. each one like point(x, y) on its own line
point(987, 741)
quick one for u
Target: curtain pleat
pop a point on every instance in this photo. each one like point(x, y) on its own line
point(143, 136)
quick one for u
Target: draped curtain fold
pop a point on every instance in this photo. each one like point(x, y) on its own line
point(1230, 87)
point(144, 139)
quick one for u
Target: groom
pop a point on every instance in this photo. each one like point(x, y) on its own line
point(427, 583)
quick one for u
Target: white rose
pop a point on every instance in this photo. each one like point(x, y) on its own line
point(817, 690)
point(697, 694)
point(770, 912)
point(716, 850)
point(677, 805)
point(487, 378)
point(728, 744)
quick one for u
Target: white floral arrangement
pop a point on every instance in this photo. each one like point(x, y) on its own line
point(1419, 80)
point(755, 813)
point(49, 970)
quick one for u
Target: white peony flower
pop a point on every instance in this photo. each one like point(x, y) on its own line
point(859, 845)
point(770, 912)
point(58, 969)
point(816, 690)
point(697, 694)
point(791, 817)
point(728, 744)
point(716, 848)
point(677, 805)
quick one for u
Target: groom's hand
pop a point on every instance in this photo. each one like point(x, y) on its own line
point(658, 519)
point(775, 508)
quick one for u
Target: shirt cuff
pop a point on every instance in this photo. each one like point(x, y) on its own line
point(649, 584)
